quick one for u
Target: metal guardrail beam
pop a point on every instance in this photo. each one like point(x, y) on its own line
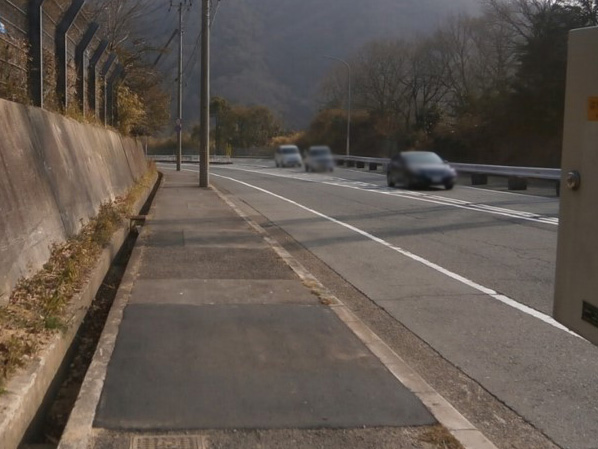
point(517, 176)
point(553, 174)
point(214, 159)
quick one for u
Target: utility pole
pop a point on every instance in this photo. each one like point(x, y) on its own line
point(179, 121)
point(204, 148)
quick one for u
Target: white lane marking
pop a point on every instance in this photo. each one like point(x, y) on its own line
point(488, 291)
point(418, 196)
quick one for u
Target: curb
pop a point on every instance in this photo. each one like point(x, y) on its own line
point(459, 426)
point(26, 391)
point(77, 433)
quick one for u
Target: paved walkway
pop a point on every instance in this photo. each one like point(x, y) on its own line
point(219, 333)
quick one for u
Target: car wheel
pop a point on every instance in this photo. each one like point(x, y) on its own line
point(277, 165)
point(449, 185)
point(306, 168)
point(389, 180)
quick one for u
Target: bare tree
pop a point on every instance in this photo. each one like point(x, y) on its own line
point(121, 19)
point(380, 71)
point(477, 57)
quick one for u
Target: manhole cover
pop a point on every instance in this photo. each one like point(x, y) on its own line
point(167, 442)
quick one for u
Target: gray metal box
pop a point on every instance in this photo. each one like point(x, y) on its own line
point(576, 283)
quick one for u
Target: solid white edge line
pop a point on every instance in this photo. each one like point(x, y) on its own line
point(488, 291)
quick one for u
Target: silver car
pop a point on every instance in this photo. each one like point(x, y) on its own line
point(318, 158)
point(287, 156)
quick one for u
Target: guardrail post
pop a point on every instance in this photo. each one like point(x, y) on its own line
point(517, 183)
point(61, 42)
point(558, 188)
point(36, 52)
point(478, 179)
point(81, 61)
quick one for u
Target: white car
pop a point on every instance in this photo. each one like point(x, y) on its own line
point(287, 156)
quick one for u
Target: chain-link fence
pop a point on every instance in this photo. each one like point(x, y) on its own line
point(53, 55)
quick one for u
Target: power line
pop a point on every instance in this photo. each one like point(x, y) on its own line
point(191, 62)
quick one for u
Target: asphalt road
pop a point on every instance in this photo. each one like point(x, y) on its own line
point(469, 271)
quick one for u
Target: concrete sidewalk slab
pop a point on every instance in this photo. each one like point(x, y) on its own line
point(221, 291)
point(213, 263)
point(220, 333)
point(269, 366)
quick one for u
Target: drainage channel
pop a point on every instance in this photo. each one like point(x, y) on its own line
point(46, 428)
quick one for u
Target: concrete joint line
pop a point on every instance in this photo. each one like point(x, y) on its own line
point(459, 426)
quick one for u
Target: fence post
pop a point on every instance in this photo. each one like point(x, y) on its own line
point(81, 61)
point(36, 49)
point(61, 39)
point(93, 63)
point(104, 74)
point(116, 73)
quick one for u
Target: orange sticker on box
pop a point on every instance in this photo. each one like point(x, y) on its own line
point(593, 109)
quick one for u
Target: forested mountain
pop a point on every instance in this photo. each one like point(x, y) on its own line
point(271, 52)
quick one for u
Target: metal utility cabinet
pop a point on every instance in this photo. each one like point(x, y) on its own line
point(576, 284)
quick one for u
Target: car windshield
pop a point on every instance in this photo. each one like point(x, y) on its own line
point(290, 150)
point(422, 157)
point(320, 151)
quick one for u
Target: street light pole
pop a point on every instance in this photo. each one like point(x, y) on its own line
point(348, 100)
point(204, 149)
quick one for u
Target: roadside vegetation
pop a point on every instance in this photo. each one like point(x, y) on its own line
point(235, 128)
point(484, 89)
point(38, 305)
point(142, 102)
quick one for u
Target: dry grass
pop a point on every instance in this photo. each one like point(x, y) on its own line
point(38, 304)
point(440, 438)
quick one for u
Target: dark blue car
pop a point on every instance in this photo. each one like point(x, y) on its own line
point(420, 169)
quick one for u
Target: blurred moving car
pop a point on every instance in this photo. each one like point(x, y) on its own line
point(287, 156)
point(420, 169)
point(318, 158)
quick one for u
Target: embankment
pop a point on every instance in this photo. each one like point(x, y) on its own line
point(54, 175)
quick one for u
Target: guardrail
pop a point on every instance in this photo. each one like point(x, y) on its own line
point(517, 176)
point(214, 159)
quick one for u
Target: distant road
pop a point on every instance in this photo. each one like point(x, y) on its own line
point(470, 271)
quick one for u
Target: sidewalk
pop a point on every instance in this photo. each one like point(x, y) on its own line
point(220, 339)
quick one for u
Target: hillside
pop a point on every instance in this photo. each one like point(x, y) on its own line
point(271, 51)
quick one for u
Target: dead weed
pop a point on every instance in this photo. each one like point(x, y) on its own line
point(38, 304)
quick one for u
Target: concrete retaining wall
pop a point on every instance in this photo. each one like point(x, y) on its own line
point(54, 175)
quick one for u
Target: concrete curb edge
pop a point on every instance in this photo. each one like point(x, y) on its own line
point(78, 431)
